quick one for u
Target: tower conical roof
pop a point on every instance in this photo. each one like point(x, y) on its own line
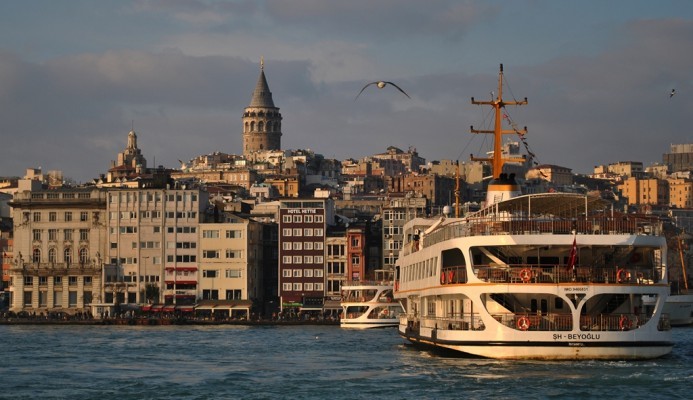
point(262, 97)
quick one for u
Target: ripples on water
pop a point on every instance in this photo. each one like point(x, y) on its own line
point(302, 362)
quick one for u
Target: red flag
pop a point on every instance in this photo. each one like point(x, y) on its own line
point(573, 254)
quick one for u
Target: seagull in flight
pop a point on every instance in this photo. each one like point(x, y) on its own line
point(672, 93)
point(380, 85)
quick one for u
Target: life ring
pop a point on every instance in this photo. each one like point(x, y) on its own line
point(442, 277)
point(624, 323)
point(622, 276)
point(525, 275)
point(451, 276)
point(385, 312)
point(523, 323)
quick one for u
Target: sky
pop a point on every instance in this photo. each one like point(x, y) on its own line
point(77, 75)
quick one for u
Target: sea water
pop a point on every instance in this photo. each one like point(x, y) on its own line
point(303, 362)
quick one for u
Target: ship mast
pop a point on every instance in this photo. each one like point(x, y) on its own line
point(497, 159)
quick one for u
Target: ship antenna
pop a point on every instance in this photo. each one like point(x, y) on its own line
point(497, 160)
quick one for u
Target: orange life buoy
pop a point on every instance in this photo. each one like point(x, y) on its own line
point(442, 277)
point(622, 276)
point(523, 323)
point(525, 275)
point(451, 276)
point(624, 323)
point(396, 286)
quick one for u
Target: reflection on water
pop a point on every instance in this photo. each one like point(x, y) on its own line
point(301, 362)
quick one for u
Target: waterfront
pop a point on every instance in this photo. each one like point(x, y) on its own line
point(301, 362)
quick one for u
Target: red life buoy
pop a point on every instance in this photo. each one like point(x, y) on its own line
point(622, 276)
point(523, 323)
point(451, 276)
point(625, 323)
point(442, 277)
point(525, 275)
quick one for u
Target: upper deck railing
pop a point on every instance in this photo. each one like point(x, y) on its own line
point(519, 225)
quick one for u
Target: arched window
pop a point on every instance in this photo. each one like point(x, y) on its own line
point(52, 255)
point(67, 256)
point(246, 127)
point(252, 126)
point(260, 126)
point(83, 255)
point(269, 126)
point(36, 256)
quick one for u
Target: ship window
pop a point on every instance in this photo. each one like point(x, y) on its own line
point(558, 303)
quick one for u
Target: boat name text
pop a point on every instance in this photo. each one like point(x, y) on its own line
point(576, 336)
point(575, 289)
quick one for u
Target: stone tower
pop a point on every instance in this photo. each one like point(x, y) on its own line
point(262, 122)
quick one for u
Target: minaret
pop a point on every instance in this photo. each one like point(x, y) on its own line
point(262, 126)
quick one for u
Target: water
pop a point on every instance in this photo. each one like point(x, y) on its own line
point(302, 362)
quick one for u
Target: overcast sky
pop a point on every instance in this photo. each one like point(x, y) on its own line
point(76, 74)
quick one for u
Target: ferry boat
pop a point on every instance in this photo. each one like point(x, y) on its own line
point(552, 276)
point(370, 304)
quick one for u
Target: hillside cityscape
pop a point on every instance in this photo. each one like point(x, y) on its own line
point(271, 232)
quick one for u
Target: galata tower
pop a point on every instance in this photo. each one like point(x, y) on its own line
point(262, 122)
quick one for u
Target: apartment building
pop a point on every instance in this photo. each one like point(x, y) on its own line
point(231, 260)
point(59, 249)
point(152, 241)
point(399, 211)
point(645, 191)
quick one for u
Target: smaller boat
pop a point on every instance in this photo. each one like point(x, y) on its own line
point(370, 304)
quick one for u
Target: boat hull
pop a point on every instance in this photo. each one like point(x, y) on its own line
point(680, 309)
point(570, 346)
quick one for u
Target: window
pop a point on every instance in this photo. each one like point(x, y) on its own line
point(233, 273)
point(286, 218)
point(234, 294)
point(83, 216)
point(308, 218)
point(308, 259)
point(297, 273)
point(319, 218)
point(36, 256)
point(286, 245)
point(67, 256)
point(298, 218)
point(298, 259)
point(52, 216)
point(210, 253)
point(286, 273)
point(67, 233)
point(298, 287)
point(234, 234)
point(72, 280)
point(68, 216)
point(298, 232)
point(286, 259)
point(308, 245)
point(318, 259)
point(37, 234)
point(286, 287)
point(319, 287)
point(317, 273)
point(28, 280)
point(37, 217)
point(308, 232)
point(209, 273)
point(286, 232)
point(308, 286)
point(52, 257)
point(308, 273)
point(298, 246)
point(318, 245)
point(318, 232)
point(84, 234)
point(53, 234)
point(210, 234)
point(234, 253)
point(83, 255)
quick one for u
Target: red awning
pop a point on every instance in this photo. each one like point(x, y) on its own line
point(146, 307)
point(169, 308)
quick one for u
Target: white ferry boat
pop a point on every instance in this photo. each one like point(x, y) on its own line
point(551, 276)
point(370, 304)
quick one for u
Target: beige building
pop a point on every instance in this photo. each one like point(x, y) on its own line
point(681, 193)
point(626, 169)
point(645, 191)
point(559, 176)
point(58, 247)
point(152, 245)
point(231, 259)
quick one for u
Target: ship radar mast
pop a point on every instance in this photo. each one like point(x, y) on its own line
point(501, 187)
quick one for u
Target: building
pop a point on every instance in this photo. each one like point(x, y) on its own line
point(231, 261)
point(556, 175)
point(681, 193)
point(645, 191)
point(409, 159)
point(627, 169)
point(680, 158)
point(153, 237)
point(58, 247)
point(395, 215)
point(262, 122)
point(302, 228)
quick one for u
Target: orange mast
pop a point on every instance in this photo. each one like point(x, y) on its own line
point(497, 160)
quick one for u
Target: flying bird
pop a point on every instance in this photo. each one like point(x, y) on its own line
point(672, 93)
point(380, 85)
